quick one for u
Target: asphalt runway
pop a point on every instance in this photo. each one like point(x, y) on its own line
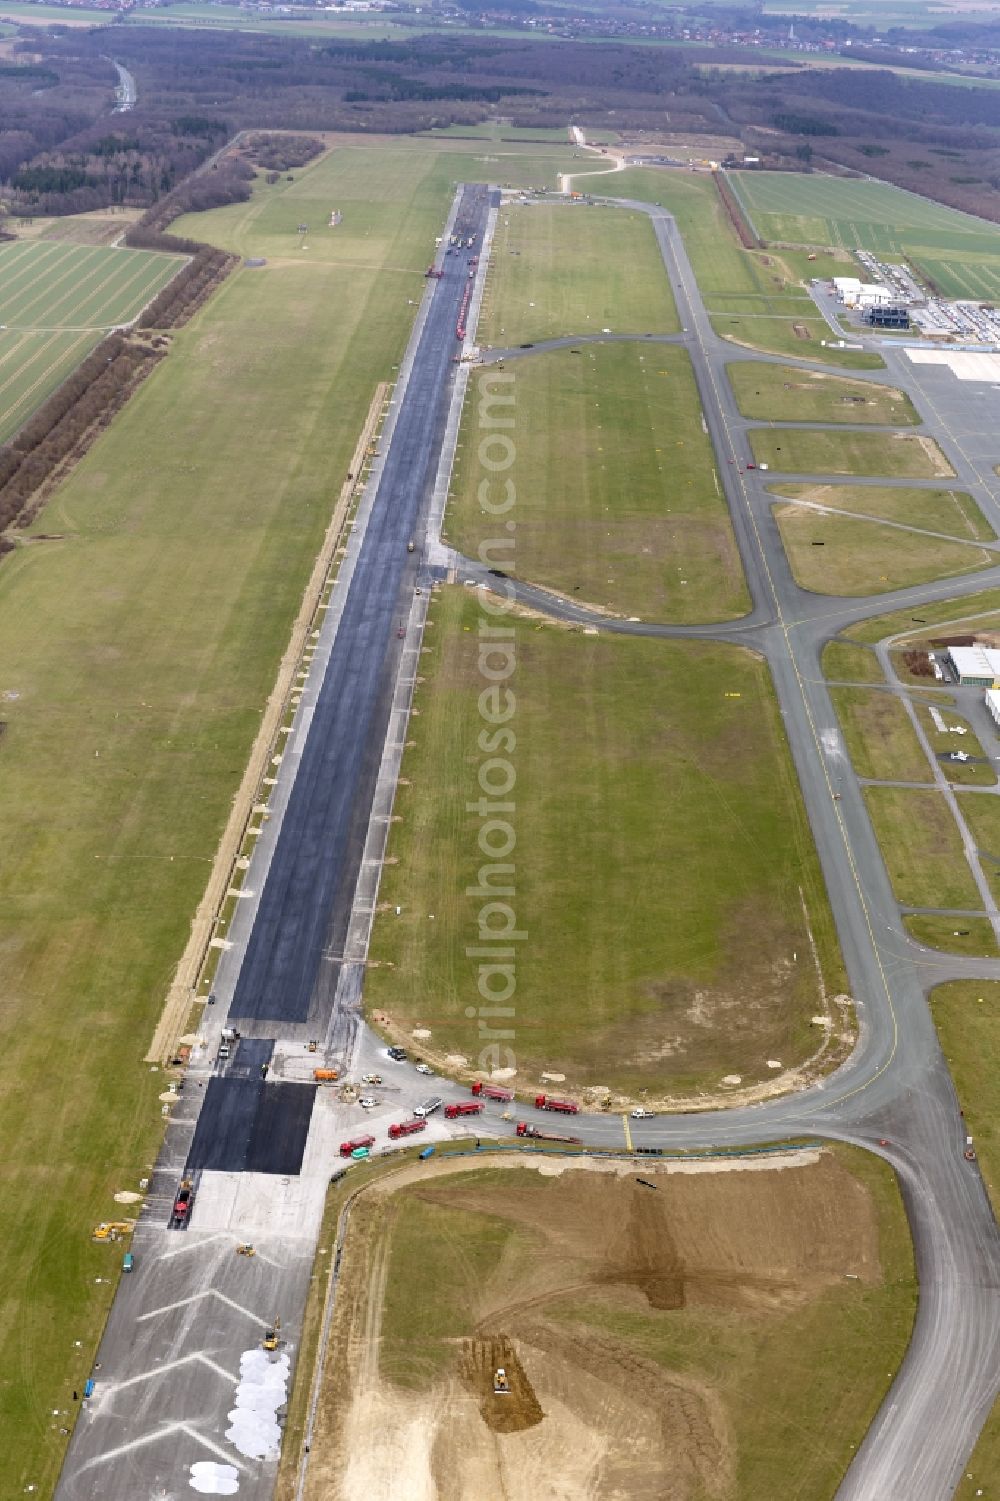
point(247, 1126)
point(306, 901)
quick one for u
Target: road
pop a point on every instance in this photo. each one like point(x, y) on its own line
point(284, 978)
point(126, 91)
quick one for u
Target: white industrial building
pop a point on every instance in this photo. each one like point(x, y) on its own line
point(975, 666)
point(873, 294)
point(993, 704)
point(848, 289)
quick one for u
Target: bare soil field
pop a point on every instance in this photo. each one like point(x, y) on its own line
point(692, 1333)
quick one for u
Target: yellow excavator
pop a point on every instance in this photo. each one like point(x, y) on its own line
point(501, 1383)
point(272, 1336)
point(111, 1230)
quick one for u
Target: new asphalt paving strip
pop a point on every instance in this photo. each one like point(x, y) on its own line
point(170, 1360)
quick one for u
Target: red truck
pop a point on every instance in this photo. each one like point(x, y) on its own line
point(523, 1129)
point(492, 1091)
point(565, 1107)
point(468, 1107)
point(347, 1147)
point(407, 1128)
point(183, 1200)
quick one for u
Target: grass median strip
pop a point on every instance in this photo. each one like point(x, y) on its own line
point(846, 555)
point(922, 848)
point(557, 270)
point(781, 393)
point(880, 738)
point(618, 501)
point(953, 935)
point(950, 512)
point(816, 451)
point(632, 978)
point(844, 662)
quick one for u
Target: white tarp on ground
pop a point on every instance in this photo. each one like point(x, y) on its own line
point(263, 1389)
point(965, 364)
point(212, 1479)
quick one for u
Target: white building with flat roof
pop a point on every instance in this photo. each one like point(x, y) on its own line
point(975, 666)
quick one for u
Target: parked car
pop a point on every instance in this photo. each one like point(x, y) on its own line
point(398, 1055)
point(642, 1115)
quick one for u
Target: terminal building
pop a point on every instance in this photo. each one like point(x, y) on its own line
point(975, 666)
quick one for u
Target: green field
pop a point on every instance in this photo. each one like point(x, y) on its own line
point(844, 662)
point(980, 609)
point(950, 512)
point(558, 270)
point(833, 554)
point(755, 298)
point(615, 794)
point(779, 393)
point(703, 1330)
point(922, 848)
point(961, 254)
point(979, 771)
point(879, 736)
point(140, 649)
point(973, 936)
point(56, 301)
point(617, 497)
point(816, 451)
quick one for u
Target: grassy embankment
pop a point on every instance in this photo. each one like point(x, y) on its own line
point(613, 799)
point(557, 270)
point(618, 501)
point(145, 643)
point(706, 1329)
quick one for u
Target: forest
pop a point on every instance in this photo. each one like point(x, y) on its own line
point(62, 149)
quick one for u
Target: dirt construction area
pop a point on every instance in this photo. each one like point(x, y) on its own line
point(675, 1333)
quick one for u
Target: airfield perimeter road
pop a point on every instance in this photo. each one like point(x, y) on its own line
point(895, 1088)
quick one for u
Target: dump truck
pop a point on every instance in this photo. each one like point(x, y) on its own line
point(407, 1128)
point(523, 1129)
point(492, 1091)
point(356, 1142)
point(467, 1107)
point(564, 1107)
point(183, 1200)
point(326, 1075)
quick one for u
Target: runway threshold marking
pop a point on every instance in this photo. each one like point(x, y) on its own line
point(210, 1292)
point(628, 1133)
point(161, 1433)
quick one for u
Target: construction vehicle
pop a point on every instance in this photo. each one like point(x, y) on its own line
point(501, 1383)
point(434, 272)
point(409, 546)
point(428, 1106)
point(492, 1091)
point(326, 1075)
point(347, 1148)
point(407, 1128)
point(467, 1107)
point(272, 1336)
point(183, 1200)
point(523, 1129)
point(246, 1249)
point(548, 1102)
point(111, 1230)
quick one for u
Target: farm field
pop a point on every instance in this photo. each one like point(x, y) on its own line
point(780, 393)
point(961, 254)
point(618, 500)
point(922, 848)
point(879, 736)
point(634, 798)
point(643, 1334)
point(57, 300)
point(816, 451)
point(186, 537)
point(558, 270)
point(950, 512)
point(833, 554)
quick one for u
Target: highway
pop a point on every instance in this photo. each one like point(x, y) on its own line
point(282, 979)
